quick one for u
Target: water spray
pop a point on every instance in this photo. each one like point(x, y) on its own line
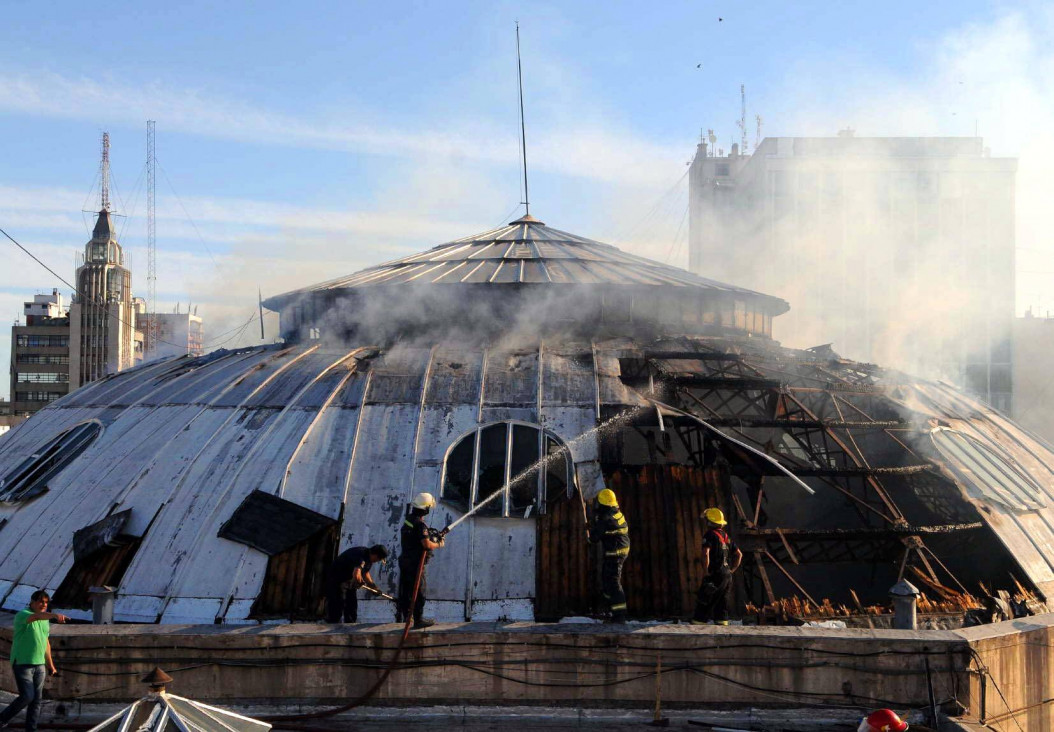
point(539, 465)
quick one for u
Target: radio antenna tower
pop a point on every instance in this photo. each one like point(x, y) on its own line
point(523, 126)
point(742, 123)
point(104, 173)
point(151, 238)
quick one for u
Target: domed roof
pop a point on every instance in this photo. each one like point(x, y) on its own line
point(525, 252)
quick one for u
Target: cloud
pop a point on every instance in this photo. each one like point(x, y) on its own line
point(593, 151)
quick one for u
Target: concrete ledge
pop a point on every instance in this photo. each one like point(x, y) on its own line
point(596, 666)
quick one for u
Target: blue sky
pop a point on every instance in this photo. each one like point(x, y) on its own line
point(309, 140)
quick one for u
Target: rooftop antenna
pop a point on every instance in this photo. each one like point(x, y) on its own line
point(742, 123)
point(151, 235)
point(523, 127)
point(104, 173)
point(757, 137)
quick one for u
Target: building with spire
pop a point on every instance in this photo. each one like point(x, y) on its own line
point(103, 335)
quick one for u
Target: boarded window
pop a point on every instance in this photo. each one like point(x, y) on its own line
point(294, 585)
point(101, 554)
point(30, 478)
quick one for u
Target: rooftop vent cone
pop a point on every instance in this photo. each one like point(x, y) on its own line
point(157, 679)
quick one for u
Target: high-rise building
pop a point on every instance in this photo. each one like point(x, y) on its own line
point(103, 315)
point(1033, 387)
point(897, 250)
point(40, 354)
point(177, 334)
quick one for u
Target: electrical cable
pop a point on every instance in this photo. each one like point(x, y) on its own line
point(118, 318)
point(984, 667)
point(187, 214)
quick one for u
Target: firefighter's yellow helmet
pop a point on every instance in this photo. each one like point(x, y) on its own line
point(606, 497)
point(424, 501)
point(715, 516)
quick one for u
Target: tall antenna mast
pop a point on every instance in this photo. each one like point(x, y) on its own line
point(104, 173)
point(523, 127)
point(742, 123)
point(151, 233)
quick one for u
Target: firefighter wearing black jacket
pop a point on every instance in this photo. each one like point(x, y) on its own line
point(609, 527)
point(416, 540)
point(721, 557)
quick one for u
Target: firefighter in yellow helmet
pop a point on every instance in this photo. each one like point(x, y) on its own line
point(721, 557)
point(418, 543)
point(609, 527)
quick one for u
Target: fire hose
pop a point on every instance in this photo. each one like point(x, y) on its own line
point(368, 694)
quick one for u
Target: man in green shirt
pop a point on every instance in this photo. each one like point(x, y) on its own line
point(31, 657)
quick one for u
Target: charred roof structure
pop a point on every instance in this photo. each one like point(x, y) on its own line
point(219, 488)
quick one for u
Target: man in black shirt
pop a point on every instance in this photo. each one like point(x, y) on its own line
point(609, 527)
point(416, 543)
point(350, 571)
point(721, 557)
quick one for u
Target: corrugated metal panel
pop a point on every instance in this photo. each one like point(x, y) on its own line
point(238, 391)
point(199, 385)
point(508, 272)
point(567, 376)
point(454, 377)
point(483, 273)
point(398, 378)
point(511, 378)
point(534, 272)
point(281, 390)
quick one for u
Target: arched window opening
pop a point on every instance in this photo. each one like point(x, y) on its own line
point(31, 477)
point(535, 465)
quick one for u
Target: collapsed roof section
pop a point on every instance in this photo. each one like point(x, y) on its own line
point(908, 474)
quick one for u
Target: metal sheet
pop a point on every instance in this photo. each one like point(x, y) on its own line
point(567, 376)
point(271, 524)
point(511, 378)
point(454, 377)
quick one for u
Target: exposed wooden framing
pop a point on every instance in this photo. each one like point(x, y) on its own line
point(790, 577)
point(766, 583)
point(787, 546)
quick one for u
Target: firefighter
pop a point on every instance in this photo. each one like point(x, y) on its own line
point(350, 571)
point(882, 720)
point(416, 542)
point(609, 527)
point(721, 557)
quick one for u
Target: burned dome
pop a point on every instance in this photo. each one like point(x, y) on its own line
point(522, 276)
point(219, 488)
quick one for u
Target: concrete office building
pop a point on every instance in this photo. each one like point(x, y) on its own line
point(895, 250)
point(40, 354)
